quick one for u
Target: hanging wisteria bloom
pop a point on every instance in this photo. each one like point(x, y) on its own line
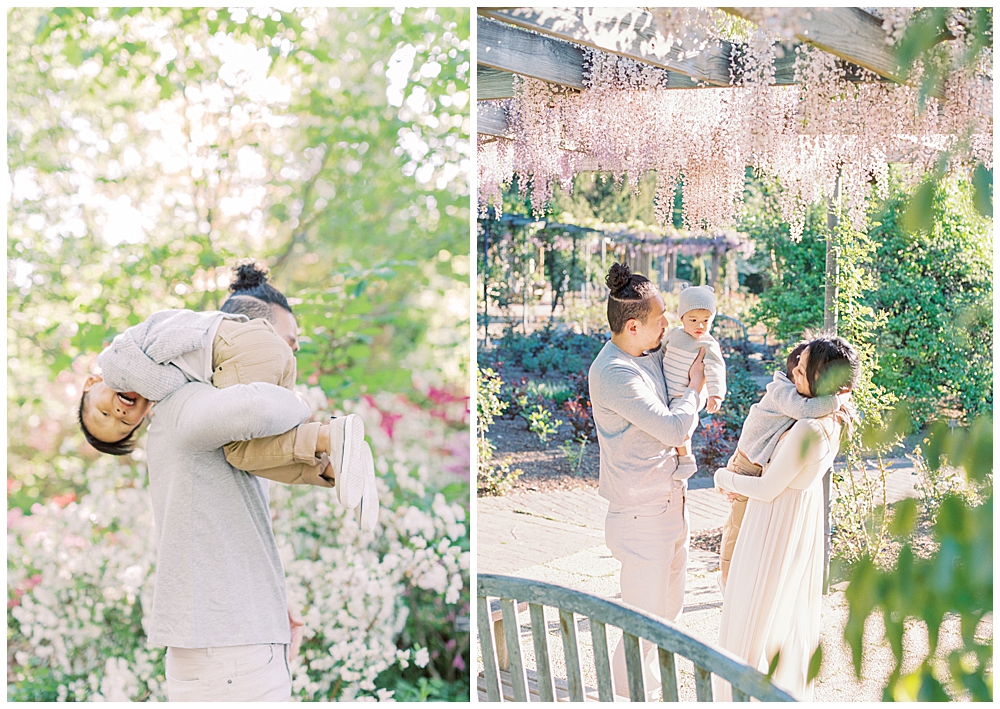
point(827, 129)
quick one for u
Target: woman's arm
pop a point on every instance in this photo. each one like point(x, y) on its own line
point(805, 444)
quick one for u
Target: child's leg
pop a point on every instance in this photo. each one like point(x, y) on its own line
point(730, 531)
point(244, 353)
point(741, 465)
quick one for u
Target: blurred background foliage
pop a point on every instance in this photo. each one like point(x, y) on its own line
point(148, 149)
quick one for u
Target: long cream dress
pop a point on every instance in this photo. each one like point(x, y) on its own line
point(773, 598)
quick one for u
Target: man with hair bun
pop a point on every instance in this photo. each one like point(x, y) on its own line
point(646, 528)
point(222, 383)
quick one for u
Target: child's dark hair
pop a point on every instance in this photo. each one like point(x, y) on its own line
point(833, 365)
point(250, 279)
point(122, 447)
point(630, 296)
point(792, 361)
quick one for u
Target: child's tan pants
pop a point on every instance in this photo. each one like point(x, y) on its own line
point(741, 465)
point(247, 352)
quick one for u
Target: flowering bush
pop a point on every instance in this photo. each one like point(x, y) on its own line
point(381, 610)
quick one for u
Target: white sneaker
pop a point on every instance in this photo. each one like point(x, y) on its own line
point(347, 441)
point(367, 511)
point(686, 467)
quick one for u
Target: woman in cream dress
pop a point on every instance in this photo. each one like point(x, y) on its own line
point(774, 596)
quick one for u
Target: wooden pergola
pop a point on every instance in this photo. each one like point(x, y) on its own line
point(548, 45)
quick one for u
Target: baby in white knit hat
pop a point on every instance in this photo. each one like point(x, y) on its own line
point(696, 309)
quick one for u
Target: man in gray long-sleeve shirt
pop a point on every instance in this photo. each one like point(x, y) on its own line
point(219, 581)
point(219, 601)
point(646, 528)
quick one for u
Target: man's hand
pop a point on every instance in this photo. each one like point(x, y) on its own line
point(295, 625)
point(696, 374)
point(714, 404)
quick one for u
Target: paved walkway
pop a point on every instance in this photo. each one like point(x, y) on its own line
point(558, 537)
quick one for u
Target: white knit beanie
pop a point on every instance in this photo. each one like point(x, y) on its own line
point(696, 298)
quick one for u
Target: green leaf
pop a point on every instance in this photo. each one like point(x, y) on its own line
point(166, 87)
point(861, 600)
point(919, 214)
point(815, 662)
point(937, 441)
point(904, 517)
point(978, 458)
point(772, 666)
point(982, 196)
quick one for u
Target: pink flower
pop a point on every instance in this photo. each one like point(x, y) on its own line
point(458, 663)
point(63, 500)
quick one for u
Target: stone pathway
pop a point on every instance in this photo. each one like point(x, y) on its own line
point(558, 537)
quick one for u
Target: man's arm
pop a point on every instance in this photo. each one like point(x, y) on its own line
point(214, 417)
point(634, 401)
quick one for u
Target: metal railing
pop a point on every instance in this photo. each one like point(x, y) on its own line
point(746, 681)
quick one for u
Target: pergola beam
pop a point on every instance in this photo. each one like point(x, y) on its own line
point(492, 120)
point(849, 33)
point(504, 50)
point(627, 32)
point(493, 84)
point(500, 46)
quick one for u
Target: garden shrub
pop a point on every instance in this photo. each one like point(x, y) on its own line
point(548, 350)
point(928, 295)
point(377, 608)
point(493, 477)
point(936, 287)
point(541, 423)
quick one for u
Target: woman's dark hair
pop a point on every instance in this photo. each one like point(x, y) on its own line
point(122, 447)
point(630, 296)
point(250, 279)
point(792, 361)
point(832, 365)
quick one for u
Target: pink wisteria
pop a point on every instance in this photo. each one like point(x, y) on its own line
point(628, 122)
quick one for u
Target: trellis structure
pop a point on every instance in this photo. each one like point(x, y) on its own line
point(636, 246)
point(553, 46)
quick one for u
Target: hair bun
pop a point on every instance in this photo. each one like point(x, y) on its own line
point(248, 275)
point(618, 277)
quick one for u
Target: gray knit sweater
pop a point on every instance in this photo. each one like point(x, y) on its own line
point(139, 359)
point(637, 432)
point(219, 580)
point(780, 407)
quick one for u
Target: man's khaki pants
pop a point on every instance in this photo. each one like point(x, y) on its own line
point(651, 542)
point(244, 353)
point(242, 673)
point(741, 465)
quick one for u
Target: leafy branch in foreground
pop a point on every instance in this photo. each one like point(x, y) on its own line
point(957, 579)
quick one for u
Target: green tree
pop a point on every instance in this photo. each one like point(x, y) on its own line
point(149, 148)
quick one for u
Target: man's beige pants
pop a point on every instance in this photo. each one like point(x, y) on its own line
point(651, 542)
point(242, 673)
point(741, 465)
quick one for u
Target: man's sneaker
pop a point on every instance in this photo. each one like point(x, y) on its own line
point(367, 511)
point(686, 467)
point(347, 439)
